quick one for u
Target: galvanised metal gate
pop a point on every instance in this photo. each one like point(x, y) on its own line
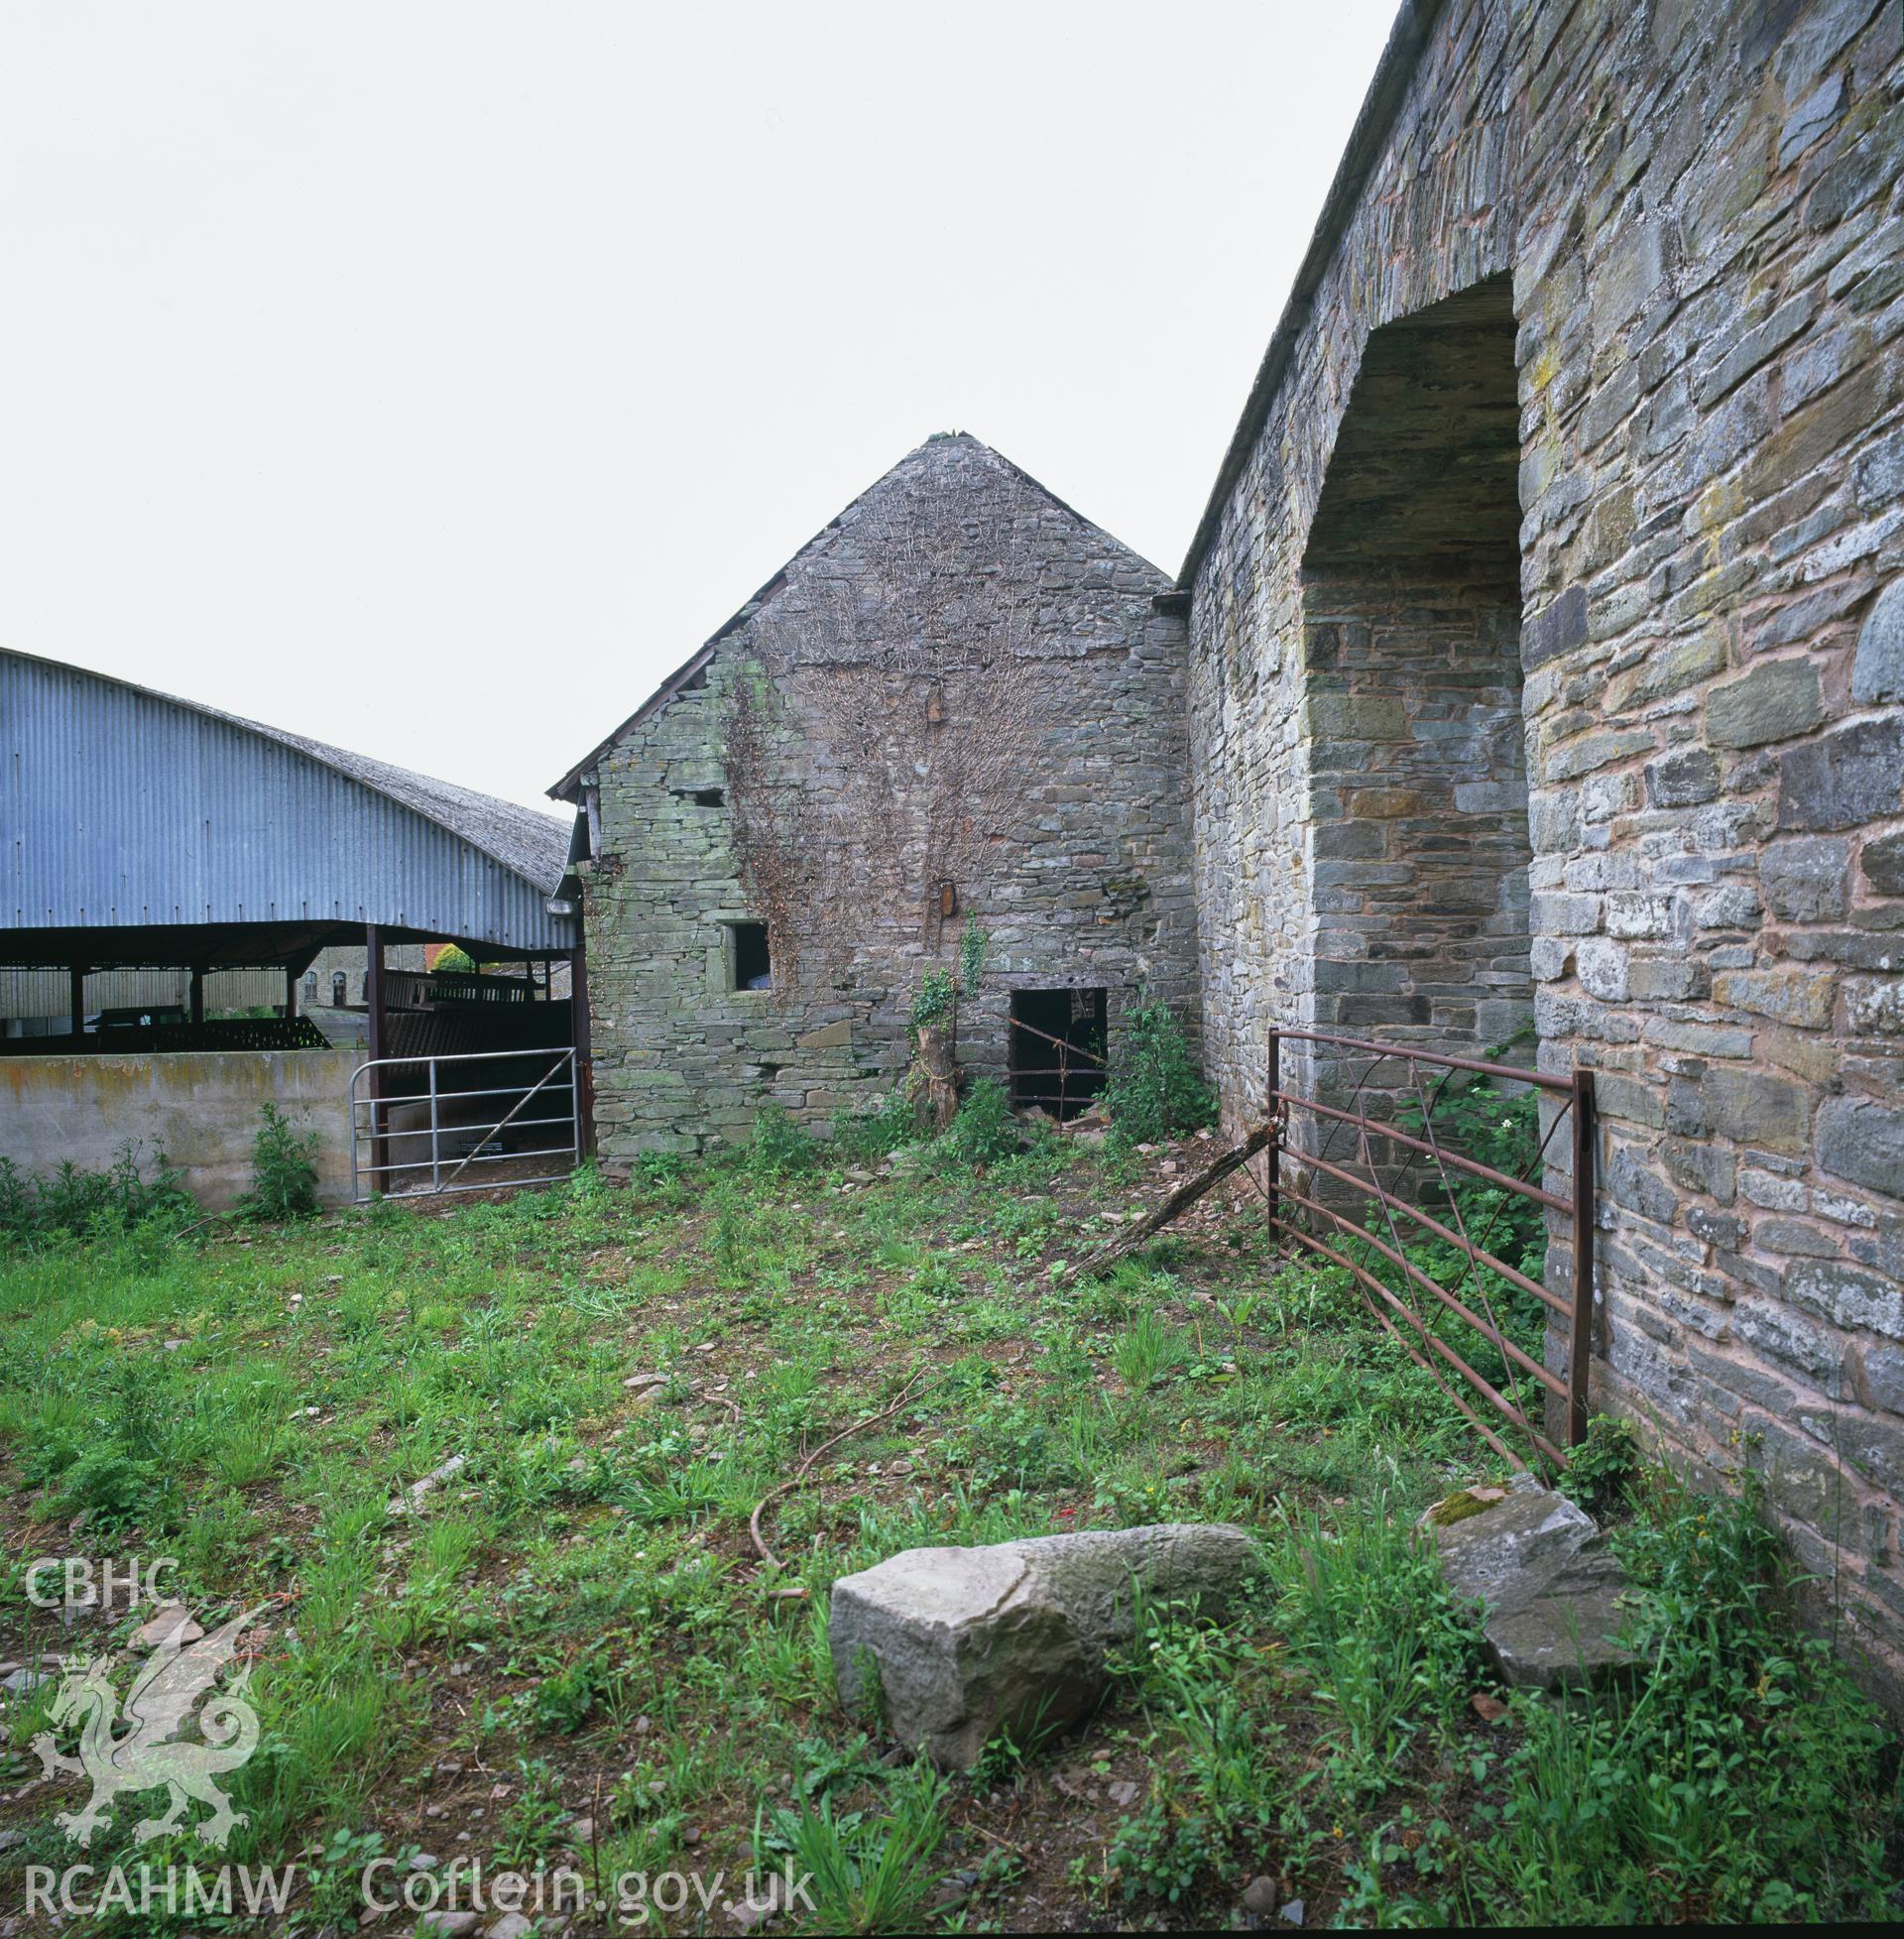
point(470, 1122)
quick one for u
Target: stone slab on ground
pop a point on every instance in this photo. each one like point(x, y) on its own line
point(966, 1642)
point(1551, 1589)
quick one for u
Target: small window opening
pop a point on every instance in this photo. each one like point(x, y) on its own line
point(701, 797)
point(1055, 1056)
point(752, 968)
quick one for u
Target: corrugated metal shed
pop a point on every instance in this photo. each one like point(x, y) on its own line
point(121, 808)
point(46, 993)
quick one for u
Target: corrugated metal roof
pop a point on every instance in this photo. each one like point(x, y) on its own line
point(122, 807)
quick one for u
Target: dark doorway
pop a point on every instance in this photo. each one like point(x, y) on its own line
point(753, 970)
point(1057, 1049)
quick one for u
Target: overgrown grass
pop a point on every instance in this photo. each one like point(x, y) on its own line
point(577, 1624)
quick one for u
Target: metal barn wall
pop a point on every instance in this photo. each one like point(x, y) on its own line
point(46, 993)
point(120, 807)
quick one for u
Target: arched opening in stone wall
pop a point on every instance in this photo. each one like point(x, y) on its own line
point(1411, 625)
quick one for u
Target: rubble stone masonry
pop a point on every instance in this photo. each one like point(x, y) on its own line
point(1688, 219)
point(1074, 859)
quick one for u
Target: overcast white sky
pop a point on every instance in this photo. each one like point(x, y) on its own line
point(431, 379)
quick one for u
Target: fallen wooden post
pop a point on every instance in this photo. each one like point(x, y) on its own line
point(1179, 1201)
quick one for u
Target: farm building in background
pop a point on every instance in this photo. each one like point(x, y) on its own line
point(163, 858)
point(960, 705)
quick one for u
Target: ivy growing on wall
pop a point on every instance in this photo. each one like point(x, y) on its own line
point(884, 727)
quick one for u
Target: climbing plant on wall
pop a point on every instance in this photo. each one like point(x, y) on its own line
point(890, 720)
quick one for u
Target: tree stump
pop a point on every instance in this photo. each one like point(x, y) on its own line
point(937, 1079)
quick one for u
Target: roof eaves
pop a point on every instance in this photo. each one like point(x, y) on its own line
point(1393, 73)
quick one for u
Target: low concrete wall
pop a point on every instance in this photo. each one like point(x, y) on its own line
point(202, 1109)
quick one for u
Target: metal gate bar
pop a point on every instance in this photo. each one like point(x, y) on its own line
point(1577, 1309)
point(372, 1125)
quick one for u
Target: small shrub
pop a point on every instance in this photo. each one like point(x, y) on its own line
point(1155, 1089)
point(984, 1130)
point(891, 1123)
point(1602, 1469)
point(454, 962)
point(779, 1146)
point(284, 1172)
point(87, 1204)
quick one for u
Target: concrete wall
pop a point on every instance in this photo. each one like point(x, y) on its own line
point(1696, 211)
point(201, 1109)
point(960, 680)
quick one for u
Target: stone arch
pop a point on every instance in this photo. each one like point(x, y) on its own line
point(1418, 778)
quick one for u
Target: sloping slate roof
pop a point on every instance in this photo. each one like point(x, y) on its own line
point(131, 806)
point(533, 844)
point(568, 788)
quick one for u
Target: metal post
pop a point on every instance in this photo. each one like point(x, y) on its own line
point(379, 1048)
point(1272, 1194)
point(436, 1150)
point(290, 992)
point(1580, 1353)
point(579, 1035)
point(77, 998)
point(197, 999)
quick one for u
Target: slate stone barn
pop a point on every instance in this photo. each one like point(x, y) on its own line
point(960, 705)
point(1535, 677)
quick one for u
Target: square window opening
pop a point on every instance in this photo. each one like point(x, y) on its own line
point(752, 968)
point(702, 797)
point(1056, 1053)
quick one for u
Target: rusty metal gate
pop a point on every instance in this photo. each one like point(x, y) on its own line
point(1297, 1161)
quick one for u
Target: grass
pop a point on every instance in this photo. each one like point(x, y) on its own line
point(576, 1626)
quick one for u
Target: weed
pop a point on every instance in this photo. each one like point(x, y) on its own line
point(1155, 1089)
point(284, 1172)
point(983, 1131)
point(868, 1870)
point(89, 1205)
point(532, 1826)
point(780, 1147)
point(877, 1130)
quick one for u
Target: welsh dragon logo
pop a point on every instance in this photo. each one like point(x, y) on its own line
point(165, 1698)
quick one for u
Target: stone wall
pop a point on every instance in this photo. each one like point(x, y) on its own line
point(1024, 744)
point(1695, 211)
point(1418, 799)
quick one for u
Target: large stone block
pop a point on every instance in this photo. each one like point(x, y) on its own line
point(1861, 1139)
point(1877, 674)
point(1804, 878)
point(1793, 996)
point(963, 1644)
point(1771, 1113)
point(1850, 775)
point(1771, 703)
point(1550, 1590)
